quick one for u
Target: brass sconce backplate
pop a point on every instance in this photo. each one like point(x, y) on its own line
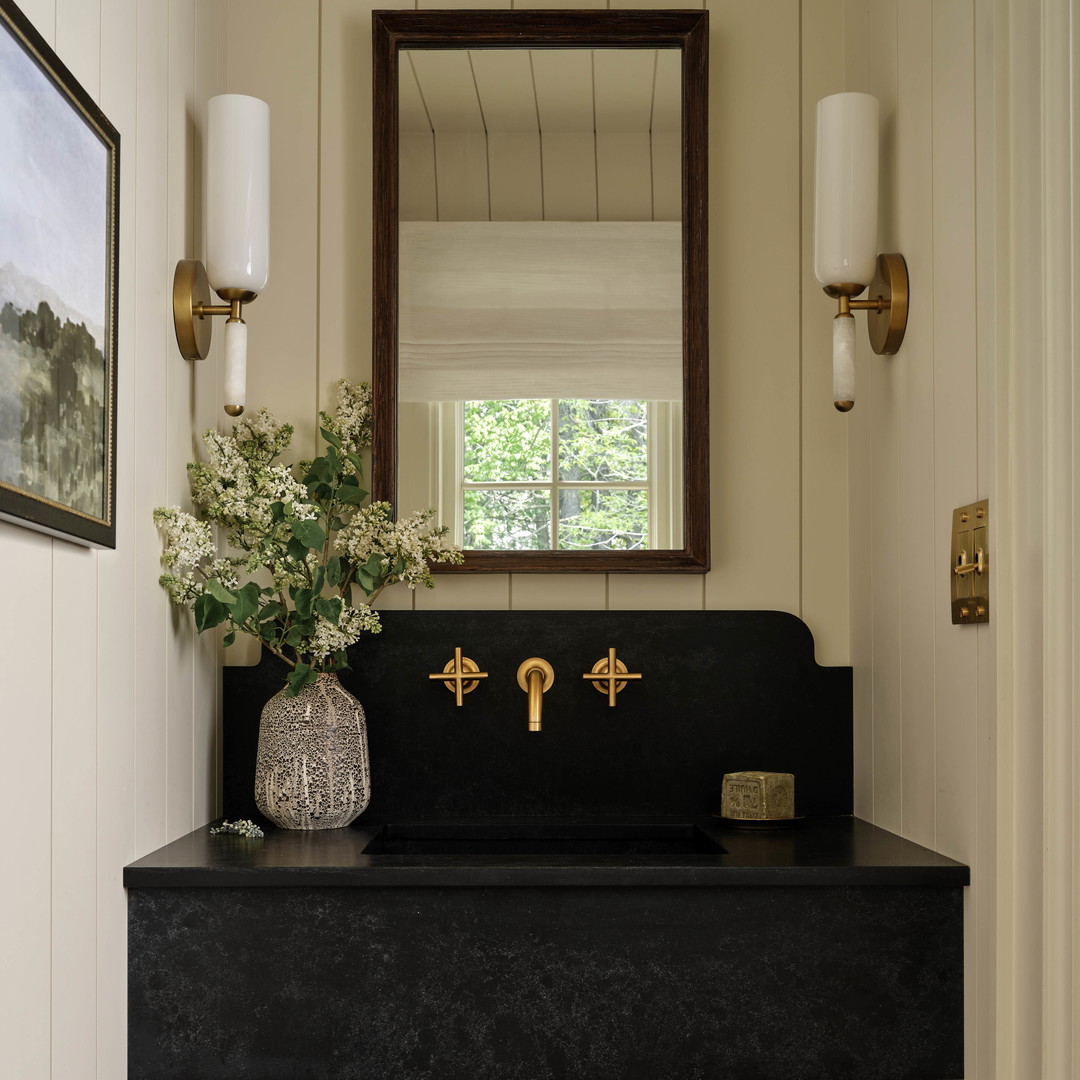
point(887, 325)
point(969, 566)
point(191, 293)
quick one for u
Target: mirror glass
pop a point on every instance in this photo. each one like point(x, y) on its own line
point(540, 304)
point(540, 296)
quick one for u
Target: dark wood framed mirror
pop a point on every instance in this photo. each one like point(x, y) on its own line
point(469, 283)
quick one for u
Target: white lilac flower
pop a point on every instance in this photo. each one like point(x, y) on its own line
point(351, 422)
point(183, 590)
point(372, 531)
point(351, 625)
point(187, 539)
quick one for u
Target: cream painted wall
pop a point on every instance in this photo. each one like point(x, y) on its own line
point(110, 707)
point(922, 442)
point(779, 504)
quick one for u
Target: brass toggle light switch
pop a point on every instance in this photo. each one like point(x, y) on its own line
point(970, 563)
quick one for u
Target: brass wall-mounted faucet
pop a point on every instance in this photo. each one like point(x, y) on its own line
point(535, 677)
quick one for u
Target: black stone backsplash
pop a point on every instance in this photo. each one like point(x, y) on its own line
point(721, 691)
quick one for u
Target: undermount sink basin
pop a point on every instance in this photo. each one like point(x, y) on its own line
point(542, 838)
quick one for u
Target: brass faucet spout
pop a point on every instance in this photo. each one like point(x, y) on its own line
point(535, 677)
point(536, 698)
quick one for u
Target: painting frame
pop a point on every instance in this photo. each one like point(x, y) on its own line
point(66, 420)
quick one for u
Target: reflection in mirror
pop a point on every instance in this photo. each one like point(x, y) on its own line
point(540, 310)
point(540, 291)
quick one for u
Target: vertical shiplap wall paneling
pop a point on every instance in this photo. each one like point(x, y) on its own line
point(117, 580)
point(863, 560)
point(955, 388)
point(923, 767)
point(921, 567)
point(754, 253)
point(180, 420)
point(208, 29)
point(97, 775)
point(983, 938)
point(74, 779)
point(1037, 470)
point(825, 547)
point(25, 936)
point(153, 484)
point(882, 374)
point(956, 480)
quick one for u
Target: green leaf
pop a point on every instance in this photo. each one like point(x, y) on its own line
point(330, 437)
point(247, 603)
point(350, 494)
point(302, 675)
point(309, 533)
point(209, 612)
point(270, 611)
point(356, 463)
point(329, 607)
point(333, 459)
point(336, 523)
point(277, 511)
point(302, 598)
point(294, 637)
point(318, 580)
point(333, 571)
point(374, 567)
point(229, 638)
point(297, 549)
point(219, 592)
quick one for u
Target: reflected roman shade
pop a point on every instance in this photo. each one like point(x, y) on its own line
point(519, 309)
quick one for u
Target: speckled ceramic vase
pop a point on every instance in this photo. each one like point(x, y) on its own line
point(312, 768)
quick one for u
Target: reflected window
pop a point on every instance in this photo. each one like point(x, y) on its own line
point(563, 474)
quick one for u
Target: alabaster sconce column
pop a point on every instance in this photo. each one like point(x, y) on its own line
point(237, 238)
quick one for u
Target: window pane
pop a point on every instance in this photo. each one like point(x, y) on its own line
point(601, 439)
point(605, 520)
point(508, 520)
point(507, 440)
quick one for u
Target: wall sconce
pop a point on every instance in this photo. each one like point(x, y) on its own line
point(237, 238)
point(845, 236)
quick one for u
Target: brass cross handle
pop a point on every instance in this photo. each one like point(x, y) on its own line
point(604, 670)
point(461, 675)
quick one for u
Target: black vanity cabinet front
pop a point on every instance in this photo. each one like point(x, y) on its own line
point(832, 953)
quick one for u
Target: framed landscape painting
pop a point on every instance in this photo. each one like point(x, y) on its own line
point(59, 204)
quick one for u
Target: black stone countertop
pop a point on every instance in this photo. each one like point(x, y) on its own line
point(839, 851)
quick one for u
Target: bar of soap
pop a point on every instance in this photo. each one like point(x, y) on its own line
point(758, 796)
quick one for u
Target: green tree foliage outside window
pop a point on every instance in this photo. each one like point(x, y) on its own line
point(602, 458)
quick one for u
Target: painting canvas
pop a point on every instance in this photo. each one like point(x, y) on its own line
point(59, 166)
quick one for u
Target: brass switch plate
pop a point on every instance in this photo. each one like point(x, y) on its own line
point(969, 568)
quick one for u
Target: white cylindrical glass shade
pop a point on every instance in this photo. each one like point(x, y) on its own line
point(235, 363)
point(846, 189)
point(843, 358)
point(237, 192)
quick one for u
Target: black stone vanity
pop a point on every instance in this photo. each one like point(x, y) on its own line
point(560, 904)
